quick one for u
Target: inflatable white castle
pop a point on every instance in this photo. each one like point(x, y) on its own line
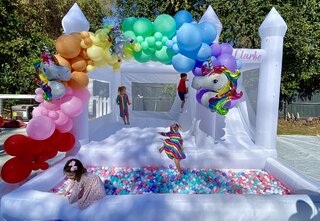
point(245, 138)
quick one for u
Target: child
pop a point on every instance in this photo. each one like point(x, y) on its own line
point(87, 188)
point(182, 89)
point(173, 146)
point(123, 102)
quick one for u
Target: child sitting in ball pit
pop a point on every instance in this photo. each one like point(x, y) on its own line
point(86, 188)
point(173, 146)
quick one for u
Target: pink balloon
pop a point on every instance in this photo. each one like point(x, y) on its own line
point(44, 112)
point(39, 91)
point(49, 105)
point(40, 128)
point(66, 127)
point(39, 98)
point(53, 115)
point(73, 107)
point(83, 94)
point(69, 91)
point(62, 118)
point(37, 111)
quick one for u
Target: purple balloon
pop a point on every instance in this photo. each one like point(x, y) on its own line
point(197, 71)
point(230, 104)
point(226, 48)
point(200, 94)
point(228, 61)
point(215, 49)
point(216, 63)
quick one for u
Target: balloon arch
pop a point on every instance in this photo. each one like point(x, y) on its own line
point(62, 78)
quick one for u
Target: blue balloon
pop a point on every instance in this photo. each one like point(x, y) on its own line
point(182, 17)
point(190, 54)
point(208, 31)
point(174, 39)
point(239, 64)
point(175, 48)
point(169, 43)
point(204, 52)
point(189, 37)
point(182, 63)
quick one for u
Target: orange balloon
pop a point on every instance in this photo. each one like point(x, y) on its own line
point(79, 80)
point(88, 41)
point(68, 46)
point(62, 61)
point(84, 54)
point(84, 34)
point(78, 64)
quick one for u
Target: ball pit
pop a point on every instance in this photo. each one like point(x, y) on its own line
point(123, 181)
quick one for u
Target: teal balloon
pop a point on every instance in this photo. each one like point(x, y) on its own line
point(165, 24)
point(143, 27)
point(189, 37)
point(141, 56)
point(144, 45)
point(151, 41)
point(208, 32)
point(139, 39)
point(164, 55)
point(158, 45)
point(182, 63)
point(164, 40)
point(157, 36)
point(127, 24)
point(129, 35)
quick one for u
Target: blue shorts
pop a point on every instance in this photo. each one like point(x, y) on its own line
point(182, 95)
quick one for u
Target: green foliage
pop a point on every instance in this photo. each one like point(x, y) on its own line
point(241, 20)
point(26, 26)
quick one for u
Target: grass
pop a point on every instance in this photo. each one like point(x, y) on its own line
point(299, 127)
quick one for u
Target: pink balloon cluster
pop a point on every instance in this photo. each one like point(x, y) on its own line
point(56, 114)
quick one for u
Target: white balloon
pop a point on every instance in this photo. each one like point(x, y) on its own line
point(75, 21)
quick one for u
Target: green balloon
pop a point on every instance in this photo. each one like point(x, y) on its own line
point(143, 27)
point(127, 24)
point(129, 35)
point(165, 24)
point(141, 56)
point(164, 55)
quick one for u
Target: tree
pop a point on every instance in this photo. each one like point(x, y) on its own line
point(26, 26)
point(241, 20)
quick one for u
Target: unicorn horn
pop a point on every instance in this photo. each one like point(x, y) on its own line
point(48, 53)
point(210, 63)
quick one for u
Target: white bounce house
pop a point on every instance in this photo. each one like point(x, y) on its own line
point(245, 138)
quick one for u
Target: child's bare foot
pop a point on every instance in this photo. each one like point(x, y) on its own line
point(161, 149)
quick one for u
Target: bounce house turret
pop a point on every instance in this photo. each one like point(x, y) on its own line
point(271, 31)
point(211, 17)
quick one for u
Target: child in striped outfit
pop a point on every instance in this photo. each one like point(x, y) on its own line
point(173, 146)
point(123, 102)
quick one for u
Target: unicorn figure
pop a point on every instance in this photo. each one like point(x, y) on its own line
point(217, 88)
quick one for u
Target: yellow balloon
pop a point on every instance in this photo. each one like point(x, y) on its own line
point(117, 66)
point(127, 52)
point(100, 64)
point(83, 45)
point(137, 47)
point(90, 68)
point(95, 53)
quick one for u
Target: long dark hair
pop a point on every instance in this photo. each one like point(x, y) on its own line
point(75, 166)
